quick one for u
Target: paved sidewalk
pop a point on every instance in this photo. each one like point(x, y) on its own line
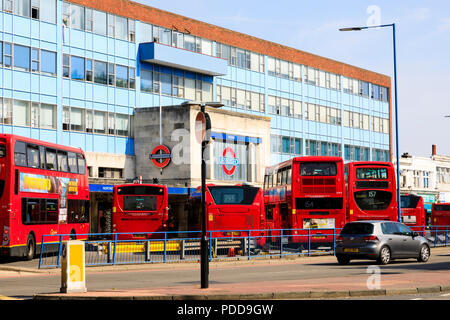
point(331, 287)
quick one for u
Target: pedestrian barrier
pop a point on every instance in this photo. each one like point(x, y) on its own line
point(163, 247)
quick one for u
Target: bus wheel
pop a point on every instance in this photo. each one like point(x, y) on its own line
point(31, 247)
point(73, 235)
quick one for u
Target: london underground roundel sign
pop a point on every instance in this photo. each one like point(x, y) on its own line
point(229, 161)
point(160, 156)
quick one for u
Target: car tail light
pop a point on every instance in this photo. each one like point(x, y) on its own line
point(339, 239)
point(371, 238)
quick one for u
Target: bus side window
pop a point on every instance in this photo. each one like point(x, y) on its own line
point(50, 159)
point(62, 161)
point(20, 154)
point(33, 156)
point(42, 156)
point(73, 168)
point(2, 150)
point(289, 175)
point(81, 164)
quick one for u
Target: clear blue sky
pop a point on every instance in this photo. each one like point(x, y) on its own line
point(423, 48)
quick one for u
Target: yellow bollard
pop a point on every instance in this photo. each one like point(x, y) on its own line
point(73, 276)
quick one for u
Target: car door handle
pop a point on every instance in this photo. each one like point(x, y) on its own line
point(390, 238)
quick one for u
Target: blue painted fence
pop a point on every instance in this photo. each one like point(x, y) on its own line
point(164, 247)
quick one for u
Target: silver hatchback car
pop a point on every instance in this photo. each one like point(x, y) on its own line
point(380, 240)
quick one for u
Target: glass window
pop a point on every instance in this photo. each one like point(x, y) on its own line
point(72, 157)
point(62, 161)
point(121, 76)
point(111, 74)
point(89, 121)
point(132, 77)
point(81, 164)
point(146, 80)
point(145, 32)
point(47, 116)
point(20, 154)
point(76, 17)
point(50, 159)
point(111, 123)
point(88, 69)
point(100, 72)
point(111, 25)
point(122, 124)
point(318, 169)
point(237, 195)
point(373, 199)
point(131, 30)
point(77, 119)
point(99, 122)
point(22, 57)
point(357, 228)
point(99, 19)
point(33, 156)
point(89, 22)
point(21, 115)
point(66, 65)
point(22, 7)
point(48, 62)
point(121, 28)
point(77, 68)
point(6, 111)
point(7, 52)
point(34, 59)
point(166, 84)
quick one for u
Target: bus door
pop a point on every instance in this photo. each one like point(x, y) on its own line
point(272, 221)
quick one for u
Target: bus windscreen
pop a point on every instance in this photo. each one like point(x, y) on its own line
point(371, 173)
point(373, 199)
point(409, 202)
point(441, 207)
point(233, 195)
point(318, 169)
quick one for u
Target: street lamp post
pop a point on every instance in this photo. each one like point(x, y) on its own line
point(396, 106)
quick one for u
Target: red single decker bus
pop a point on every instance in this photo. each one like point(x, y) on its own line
point(140, 210)
point(412, 210)
point(371, 191)
point(440, 215)
point(232, 211)
point(44, 190)
point(306, 196)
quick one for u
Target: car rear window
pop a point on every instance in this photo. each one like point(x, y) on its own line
point(357, 228)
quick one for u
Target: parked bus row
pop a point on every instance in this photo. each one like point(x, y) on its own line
point(44, 190)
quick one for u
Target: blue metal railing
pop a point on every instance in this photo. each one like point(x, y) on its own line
point(164, 247)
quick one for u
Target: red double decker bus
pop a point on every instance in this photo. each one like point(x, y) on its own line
point(371, 191)
point(140, 210)
point(44, 190)
point(232, 211)
point(305, 196)
point(412, 210)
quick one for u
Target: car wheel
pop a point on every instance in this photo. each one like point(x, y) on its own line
point(31, 247)
point(342, 260)
point(385, 255)
point(424, 254)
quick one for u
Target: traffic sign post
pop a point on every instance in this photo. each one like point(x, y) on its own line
point(202, 134)
point(202, 128)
